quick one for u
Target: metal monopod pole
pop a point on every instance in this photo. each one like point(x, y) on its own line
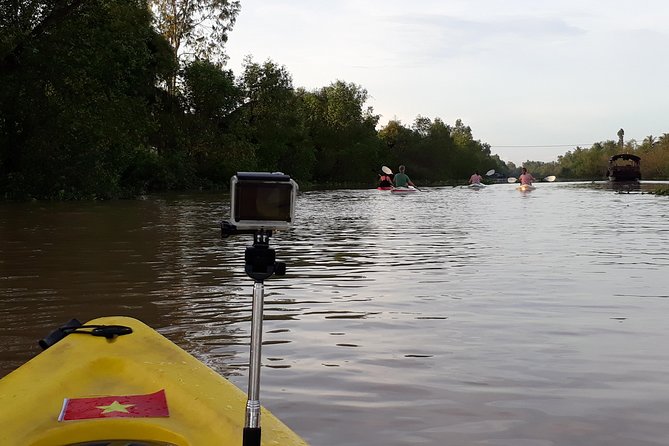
point(252, 421)
point(260, 265)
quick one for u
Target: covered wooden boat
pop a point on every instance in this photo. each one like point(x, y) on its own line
point(624, 167)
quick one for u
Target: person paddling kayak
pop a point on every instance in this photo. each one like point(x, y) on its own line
point(526, 178)
point(475, 178)
point(385, 180)
point(402, 179)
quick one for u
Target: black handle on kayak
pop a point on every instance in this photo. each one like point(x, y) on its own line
point(59, 333)
point(74, 326)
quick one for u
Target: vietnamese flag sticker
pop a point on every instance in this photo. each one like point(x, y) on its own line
point(128, 406)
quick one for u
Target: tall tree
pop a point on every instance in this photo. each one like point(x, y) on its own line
point(274, 121)
point(649, 141)
point(396, 139)
point(195, 28)
point(25, 21)
point(76, 107)
point(343, 132)
point(211, 96)
point(433, 153)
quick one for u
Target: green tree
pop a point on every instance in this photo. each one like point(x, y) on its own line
point(343, 132)
point(195, 28)
point(432, 154)
point(76, 101)
point(273, 121)
point(397, 139)
point(592, 163)
point(437, 151)
point(649, 141)
point(25, 22)
point(212, 98)
point(655, 159)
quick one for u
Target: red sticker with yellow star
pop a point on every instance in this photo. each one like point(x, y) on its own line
point(133, 406)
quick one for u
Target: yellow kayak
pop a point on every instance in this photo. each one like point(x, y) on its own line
point(137, 388)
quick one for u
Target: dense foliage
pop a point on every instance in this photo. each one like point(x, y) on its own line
point(113, 98)
point(592, 163)
point(78, 88)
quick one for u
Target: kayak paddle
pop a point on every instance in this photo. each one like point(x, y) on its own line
point(549, 178)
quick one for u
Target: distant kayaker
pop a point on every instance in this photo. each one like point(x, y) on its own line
point(475, 178)
point(526, 177)
point(402, 179)
point(385, 180)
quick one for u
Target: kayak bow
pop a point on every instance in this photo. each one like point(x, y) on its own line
point(111, 378)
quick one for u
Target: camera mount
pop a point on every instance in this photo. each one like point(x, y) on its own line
point(260, 264)
point(259, 259)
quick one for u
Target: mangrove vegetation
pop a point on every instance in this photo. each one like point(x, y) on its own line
point(105, 99)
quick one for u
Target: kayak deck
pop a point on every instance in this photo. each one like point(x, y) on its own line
point(204, 408)
point(403, 190)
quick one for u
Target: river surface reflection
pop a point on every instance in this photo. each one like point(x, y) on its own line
point(445, 317)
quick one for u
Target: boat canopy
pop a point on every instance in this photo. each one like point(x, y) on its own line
point(625, 157)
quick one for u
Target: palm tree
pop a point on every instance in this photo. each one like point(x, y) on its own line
point(649, 142)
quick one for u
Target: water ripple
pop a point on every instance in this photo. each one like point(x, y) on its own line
point(448, 316)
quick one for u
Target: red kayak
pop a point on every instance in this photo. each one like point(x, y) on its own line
point(385, 188)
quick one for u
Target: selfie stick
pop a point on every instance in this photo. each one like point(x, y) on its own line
point(260, 264)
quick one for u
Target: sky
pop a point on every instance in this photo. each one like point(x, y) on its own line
point(532, 78)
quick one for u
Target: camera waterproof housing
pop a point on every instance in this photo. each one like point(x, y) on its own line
point(262, 201)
